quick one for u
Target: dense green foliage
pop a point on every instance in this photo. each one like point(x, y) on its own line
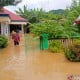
point(3, 41)
point(56, 25)
point(54, 29)
point(62, 25)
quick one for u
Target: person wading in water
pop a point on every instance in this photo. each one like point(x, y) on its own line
point(16, 38)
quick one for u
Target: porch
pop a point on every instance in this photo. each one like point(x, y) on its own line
point(6, 29)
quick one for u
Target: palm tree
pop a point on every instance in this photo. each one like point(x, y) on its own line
point(23, 12)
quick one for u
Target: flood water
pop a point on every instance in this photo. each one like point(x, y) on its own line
point(16, 63)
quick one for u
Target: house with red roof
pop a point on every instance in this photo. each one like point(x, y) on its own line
point(9, 21)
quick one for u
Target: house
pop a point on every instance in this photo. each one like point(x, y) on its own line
point(9, 21)
point(77, 21)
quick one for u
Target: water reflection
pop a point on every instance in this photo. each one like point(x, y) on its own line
point(17, 50)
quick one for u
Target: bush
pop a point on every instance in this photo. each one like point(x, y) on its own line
point(33, 19)
point(73, 52)
point(3, 41)
point(55, 46)
point(70, 55)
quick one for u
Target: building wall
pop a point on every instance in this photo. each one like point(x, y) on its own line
point(5, 29)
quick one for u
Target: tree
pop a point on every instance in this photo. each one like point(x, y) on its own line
point(23, 12)
point(32, 15)
point(8, 2)
point(74, 3)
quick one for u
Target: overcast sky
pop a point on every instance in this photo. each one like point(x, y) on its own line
point(45, 4)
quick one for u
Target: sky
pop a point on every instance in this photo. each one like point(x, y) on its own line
point(45, 4)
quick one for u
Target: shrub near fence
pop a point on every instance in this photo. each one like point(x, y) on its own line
point(73, 52)
point(3, 41)
point(71, 48)
point(55, 46)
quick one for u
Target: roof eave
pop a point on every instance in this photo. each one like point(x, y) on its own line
point(19, 22)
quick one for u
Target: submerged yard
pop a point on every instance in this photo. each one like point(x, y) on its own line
point(33, 64)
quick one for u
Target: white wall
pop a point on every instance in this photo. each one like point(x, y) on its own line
point(5, 29)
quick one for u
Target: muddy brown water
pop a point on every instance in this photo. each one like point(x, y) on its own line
point(18, 64)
